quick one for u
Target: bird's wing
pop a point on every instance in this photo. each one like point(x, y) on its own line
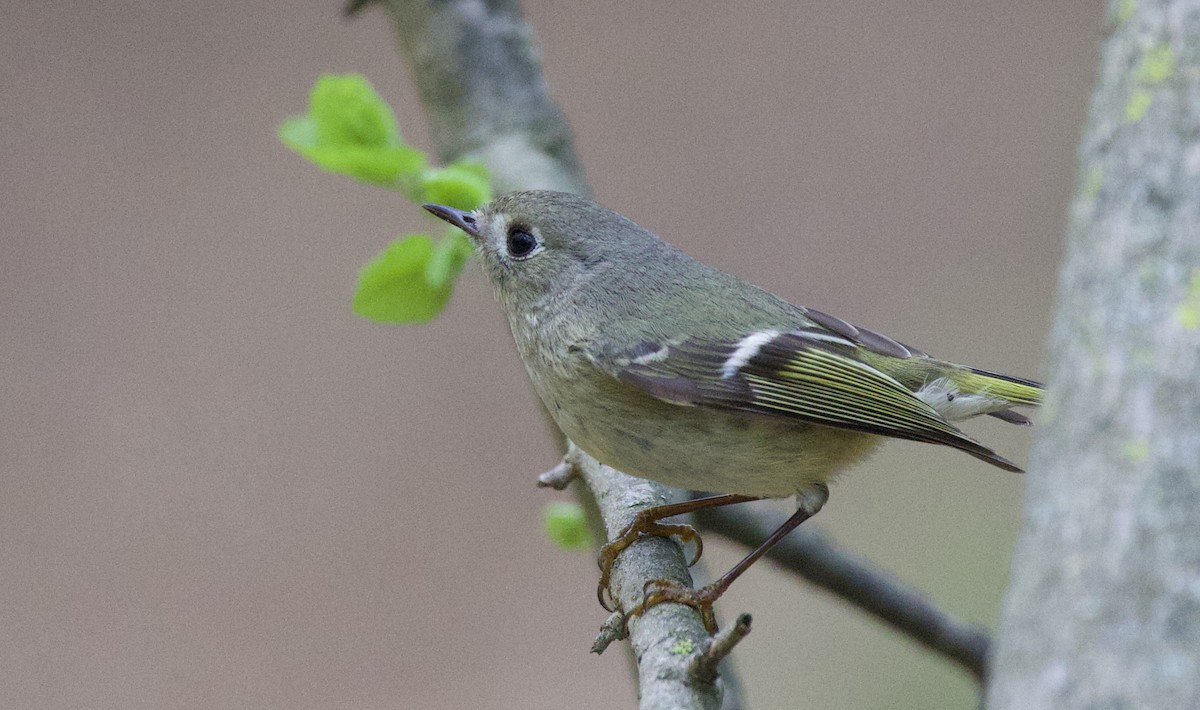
point(809, 373)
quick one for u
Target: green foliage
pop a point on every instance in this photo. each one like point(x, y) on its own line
point(350, 130)
point(462, 185)
point(566, 525)
point(411, 280)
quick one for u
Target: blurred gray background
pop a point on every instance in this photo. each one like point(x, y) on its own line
point(220, 489)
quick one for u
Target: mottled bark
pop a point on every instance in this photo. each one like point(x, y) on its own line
point(1104, 606)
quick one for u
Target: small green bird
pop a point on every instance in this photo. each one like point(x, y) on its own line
point(668, 369)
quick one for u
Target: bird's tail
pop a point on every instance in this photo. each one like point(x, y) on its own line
point(971, 391)
point(1016, 391)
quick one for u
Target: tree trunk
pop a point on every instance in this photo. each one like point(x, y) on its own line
point(1104, 606)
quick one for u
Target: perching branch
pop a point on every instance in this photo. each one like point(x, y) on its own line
point(1104, 607)
point(808, 553)
point(666, 637)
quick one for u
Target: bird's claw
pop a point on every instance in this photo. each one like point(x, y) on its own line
point(657, 591)
point(641, 526)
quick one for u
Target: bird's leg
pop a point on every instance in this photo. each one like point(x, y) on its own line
point(810, 501)
point(646, 523)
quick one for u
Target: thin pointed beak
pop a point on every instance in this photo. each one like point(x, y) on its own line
point(459, 218)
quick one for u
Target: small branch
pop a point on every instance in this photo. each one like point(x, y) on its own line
point(558, 477)
point(613, 629)
point(704, 666)
point(822, 563)
point(666, 637)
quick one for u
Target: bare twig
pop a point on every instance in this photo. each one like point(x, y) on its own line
point(665, 637)
point(821, 562)
point(704, 666)
point(558, 477)
point(613, 629)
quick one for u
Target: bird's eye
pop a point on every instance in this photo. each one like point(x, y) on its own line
point(521, 243)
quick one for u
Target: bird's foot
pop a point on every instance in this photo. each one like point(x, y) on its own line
point(644, 524)
point(658, 591)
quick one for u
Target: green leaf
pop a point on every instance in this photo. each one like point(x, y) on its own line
point(566, 525)
point(347, 111)
point(457, 185)
point(350, 130)
point(474, 167)
point(378, 166)
point(447, 259)
point(395, 287)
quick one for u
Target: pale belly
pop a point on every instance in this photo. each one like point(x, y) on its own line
point(719, 451)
